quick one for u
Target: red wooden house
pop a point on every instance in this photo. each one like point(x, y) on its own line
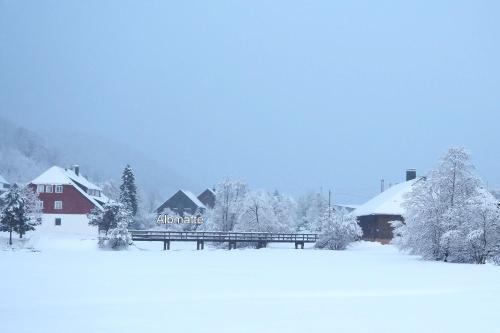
point(67, 198)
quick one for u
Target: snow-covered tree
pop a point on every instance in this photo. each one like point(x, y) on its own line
point(119, 237)
point(476, 227)
point(310, 211)
point(128, 191)
point(107, 218)
point(228, 204)
point(449, 216)
point(112, 223)
point(338, 230)
point(21, 211)
point(285, 209)
point(258, 214)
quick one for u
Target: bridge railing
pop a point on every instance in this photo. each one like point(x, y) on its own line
point(220, 236)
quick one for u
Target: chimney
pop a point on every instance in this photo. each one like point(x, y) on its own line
point(76, 168)
point(411, 174)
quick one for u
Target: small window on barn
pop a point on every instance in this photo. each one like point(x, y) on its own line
point(59, 188)
point(40, 188)
point(57, 204)
point(48, 188)
point(39, 204)
point(58, 221)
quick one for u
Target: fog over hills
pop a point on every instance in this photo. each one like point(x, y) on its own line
point(25, 153)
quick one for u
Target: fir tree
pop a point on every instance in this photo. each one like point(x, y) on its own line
point(113, 222)
point(106, 218)
point(20, 213)
point(128, 191)
point(119, 237)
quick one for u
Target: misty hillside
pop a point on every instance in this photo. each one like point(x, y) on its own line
point(24, 154)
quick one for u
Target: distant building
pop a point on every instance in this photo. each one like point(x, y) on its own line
point(183, 202)
point(374, 216)
point(207, 197)
point(66, 199)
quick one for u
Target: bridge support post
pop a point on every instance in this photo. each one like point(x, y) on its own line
point(260, 245)
point(232, 245)
point(200, 245)
point(166, 245)
point(299, 243)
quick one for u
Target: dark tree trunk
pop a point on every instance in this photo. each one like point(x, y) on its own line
point(10, 237)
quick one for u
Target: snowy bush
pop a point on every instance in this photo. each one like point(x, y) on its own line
point(449, 216)
point(112, 222)
point(339, 229)
point(119, 237)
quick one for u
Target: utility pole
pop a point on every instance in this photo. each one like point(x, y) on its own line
point(329, 203)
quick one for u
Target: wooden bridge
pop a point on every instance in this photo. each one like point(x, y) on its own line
point(260, 239)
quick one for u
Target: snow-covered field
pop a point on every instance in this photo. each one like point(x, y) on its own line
point(70, 286)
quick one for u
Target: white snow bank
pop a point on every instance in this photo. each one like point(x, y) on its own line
point(369, 288)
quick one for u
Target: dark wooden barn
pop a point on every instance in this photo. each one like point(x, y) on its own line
point(183, 202)
point(374, 216)
point(207, 197)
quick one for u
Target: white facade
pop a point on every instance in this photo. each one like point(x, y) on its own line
point(69, 223)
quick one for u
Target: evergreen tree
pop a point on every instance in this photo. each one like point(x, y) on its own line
point(105, 219)
point(113, 221)
point(128, 191)
point(119, 237)
point(20, 213)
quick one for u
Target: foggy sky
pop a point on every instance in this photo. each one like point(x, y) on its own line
point(293, 95)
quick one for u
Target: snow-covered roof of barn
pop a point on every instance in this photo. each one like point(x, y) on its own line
point(388, 202)
point(193, 198)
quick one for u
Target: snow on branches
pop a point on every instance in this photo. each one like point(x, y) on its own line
point(112, 223)
point(450, 216)
point(21, 211)
point(338, 230)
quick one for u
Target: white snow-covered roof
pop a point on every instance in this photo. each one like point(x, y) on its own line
point(2, 180)
point(53, 176)
point(59, 176)
point(194, 199)
point(388, 202)
point(81, 180)
point(209, 189)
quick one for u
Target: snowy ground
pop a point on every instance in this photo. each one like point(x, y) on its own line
point(70, 286)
